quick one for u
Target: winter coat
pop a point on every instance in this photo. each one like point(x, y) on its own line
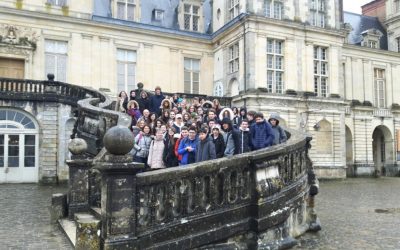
point(219, 146)
point(179, 156)
point(144, 103)
point(278, 131)
point(169, 157)
point(242, 140)
point(261, 135)
point(134, 113)
point(143, 145)
point(228, 140)
point(121, 105)
point(155, 154)
point(205, 150)
point(177, 127)
point(155, 103)
point(187, 157)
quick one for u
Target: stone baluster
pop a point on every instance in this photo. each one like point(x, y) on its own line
point(79, 165)
point(118, 187)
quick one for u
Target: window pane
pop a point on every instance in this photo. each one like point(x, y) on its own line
point(196, 65)
point(121, 55)
point(29, 162)
point(187, 64)
point(11, 115)
point(13, 161)
point(121, 11)
point(29, 151)
point(1, 140)
point(19, 117)
point(187, 21)
point(1, 161)
point(30, 140)
point(131, 12)
point(3, 114)
point(131, 56)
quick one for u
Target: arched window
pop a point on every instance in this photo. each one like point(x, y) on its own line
point(18, 147)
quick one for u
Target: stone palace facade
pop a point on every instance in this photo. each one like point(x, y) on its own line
point(328, 72)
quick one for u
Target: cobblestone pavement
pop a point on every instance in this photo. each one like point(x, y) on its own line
point(25, 218)
point(357, 214)
point(354, 213)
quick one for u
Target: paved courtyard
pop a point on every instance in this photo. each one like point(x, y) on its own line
point(355, 214)
point(25, 218)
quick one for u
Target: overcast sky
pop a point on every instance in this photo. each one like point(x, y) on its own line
point(354, 5)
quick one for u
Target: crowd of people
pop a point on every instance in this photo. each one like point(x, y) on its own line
point(170, 132)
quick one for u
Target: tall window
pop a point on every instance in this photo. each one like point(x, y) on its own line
point(379, 87)
point(233, 8)
point(396, 6)
point(56, 59)
point(275, 68)
point(234, 58)
point(274, 9)
point(126, 9)
point(317, 13)
point(191, 17)
point(57, 2)
point(192, 76)
point(126, 64)
point(321, 71)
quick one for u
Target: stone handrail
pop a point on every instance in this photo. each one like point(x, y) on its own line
point(212, 201)
point(52, 91)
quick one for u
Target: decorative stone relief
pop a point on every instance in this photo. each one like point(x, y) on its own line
point(18, 36)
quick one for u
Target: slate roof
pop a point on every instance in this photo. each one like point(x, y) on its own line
point(361, 23)
point(102, 8)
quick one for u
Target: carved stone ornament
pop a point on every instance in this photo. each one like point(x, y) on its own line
point(18, 36)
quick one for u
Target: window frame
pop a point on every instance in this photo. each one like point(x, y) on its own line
point(273, 86)
point(317, 11)
point(58, 58)
point(321, 70)
point(192, 72)
point(233, 58)
point(126, 63)
point(270, 9)
point(126, 4)
point(194, 18)
point(233, 8)
point(380, 87)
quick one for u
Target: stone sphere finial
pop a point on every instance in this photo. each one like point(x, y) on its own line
point(50, 77)
point(118, 140)
point(77, 146)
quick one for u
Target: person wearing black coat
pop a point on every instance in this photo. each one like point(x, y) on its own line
point(143, 101)
point(242, 138)
point(218, 141)
point(155, 101)
point(169, 157)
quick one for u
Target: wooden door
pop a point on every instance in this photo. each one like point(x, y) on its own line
point(12, 68)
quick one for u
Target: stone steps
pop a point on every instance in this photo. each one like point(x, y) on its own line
point(76, 230)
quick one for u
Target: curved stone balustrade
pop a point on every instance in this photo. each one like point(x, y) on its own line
point(260, 199)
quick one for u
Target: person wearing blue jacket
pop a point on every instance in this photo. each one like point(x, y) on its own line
point(187, 148)
point(261, 132)
point(155, 101)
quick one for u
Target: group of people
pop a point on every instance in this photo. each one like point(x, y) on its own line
point(171, 132)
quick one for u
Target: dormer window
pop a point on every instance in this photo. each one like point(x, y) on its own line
point(371, 38)
point(191, 17)
point(125, 10)
point(273, 9)
point(317, 13)
point(60, 3)
point(233, 8)
point(158, 15)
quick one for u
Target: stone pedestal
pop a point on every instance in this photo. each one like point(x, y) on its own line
point(78, 194)
point(87, 234)
point(118, 198)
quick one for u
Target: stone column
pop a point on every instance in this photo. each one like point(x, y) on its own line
point(78, 193)
point(118, 189)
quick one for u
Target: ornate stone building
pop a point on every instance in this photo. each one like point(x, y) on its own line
point(325, 71)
